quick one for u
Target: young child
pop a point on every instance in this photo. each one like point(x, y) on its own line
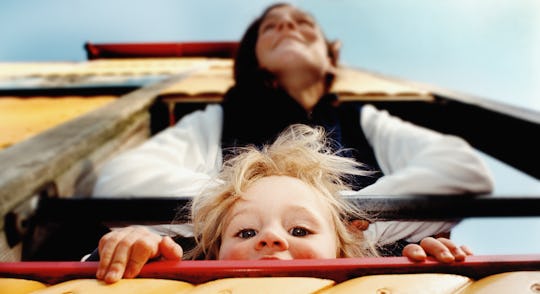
point(282, 201)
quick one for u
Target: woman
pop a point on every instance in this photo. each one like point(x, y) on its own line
point(283, 75)
point(247, 214)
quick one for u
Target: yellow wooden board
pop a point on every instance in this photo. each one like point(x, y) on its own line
point(403, 284)
point(22, 118)
point(356, 83)
point(281, 285)
point(503, 283)
point(103, 67)
point(211, 83)
point(19, 286)
point(432, 283)
point(126, 286)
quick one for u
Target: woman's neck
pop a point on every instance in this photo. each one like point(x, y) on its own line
point(304, 88)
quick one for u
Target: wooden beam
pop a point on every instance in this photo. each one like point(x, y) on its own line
point(69, 150)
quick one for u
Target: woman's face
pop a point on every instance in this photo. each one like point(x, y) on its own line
point(290, 40)
point(279, 217)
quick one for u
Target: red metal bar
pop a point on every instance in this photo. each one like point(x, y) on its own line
point(338, 270)
point(225, 49)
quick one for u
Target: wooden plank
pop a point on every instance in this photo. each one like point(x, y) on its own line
point(79, 179)
point(351, 85)
point(41, 160)
point(22, 118)
point(107, 76)
point(8, 253)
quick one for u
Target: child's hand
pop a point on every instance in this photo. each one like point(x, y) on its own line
point(442, 249)
point(123, 252)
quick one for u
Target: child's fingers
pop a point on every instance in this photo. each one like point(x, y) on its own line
point(459, 254)
point(414, 252)
point(107, 247)
point(120, 258)
point(467, 250)
point(144, 248)
point(116, 252)
point(437, 249)
point(169, 249)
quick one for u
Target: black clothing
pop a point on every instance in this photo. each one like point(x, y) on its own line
point(258, 116)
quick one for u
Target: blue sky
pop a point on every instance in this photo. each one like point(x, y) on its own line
point(488, 48)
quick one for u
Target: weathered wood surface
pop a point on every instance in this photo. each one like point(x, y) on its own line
point(7, 253)
point(67, 156)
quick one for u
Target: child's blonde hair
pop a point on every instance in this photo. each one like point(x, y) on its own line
point(301, 152)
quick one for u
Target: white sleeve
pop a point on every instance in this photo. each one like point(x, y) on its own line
point(417, 160)
point(178, 161)
point(387, 232)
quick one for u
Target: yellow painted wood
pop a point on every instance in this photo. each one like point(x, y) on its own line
point(19, 286)
point(403, 284)
point(126, 286)
point(46, 157)
point(526, 282)
point(519, 282)
point(22, 118)
point(209, 85)
point(281, 285)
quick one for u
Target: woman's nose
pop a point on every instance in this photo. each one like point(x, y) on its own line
point(286, 23)
point(272, 239)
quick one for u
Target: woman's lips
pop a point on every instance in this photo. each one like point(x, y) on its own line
point(290, 37)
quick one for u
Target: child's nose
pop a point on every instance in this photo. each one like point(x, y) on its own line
point(273, 240)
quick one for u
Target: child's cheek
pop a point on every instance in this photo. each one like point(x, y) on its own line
point(234, 250)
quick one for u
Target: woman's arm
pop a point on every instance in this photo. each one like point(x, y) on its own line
point(176, 162)
point(417, 160)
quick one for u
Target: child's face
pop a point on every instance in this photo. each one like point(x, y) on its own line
point(279, 217)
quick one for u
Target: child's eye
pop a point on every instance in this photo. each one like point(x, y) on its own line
point(246, 233)
point(299, 232)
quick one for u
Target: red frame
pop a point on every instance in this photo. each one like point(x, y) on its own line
point(223, 49)
point(338, 270)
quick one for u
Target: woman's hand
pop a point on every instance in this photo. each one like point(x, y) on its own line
point(442, 249)
point(123, 252)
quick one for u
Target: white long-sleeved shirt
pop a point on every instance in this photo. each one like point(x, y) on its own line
point(182, 159)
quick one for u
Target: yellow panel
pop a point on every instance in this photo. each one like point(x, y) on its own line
point(19, 286)
point(403, 284)
point(281, 285)
point(16, 69)
point(124, 66)
point(127, 286)
point(21, 118)
point(214, 80)
point(355, 82)
point(140, 66)
point(504, 283)
point(96, 73)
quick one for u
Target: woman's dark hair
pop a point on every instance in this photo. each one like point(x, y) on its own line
point(247, 71)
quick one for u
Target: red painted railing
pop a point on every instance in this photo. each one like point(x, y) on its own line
point(224, 49)
point(338, 270)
